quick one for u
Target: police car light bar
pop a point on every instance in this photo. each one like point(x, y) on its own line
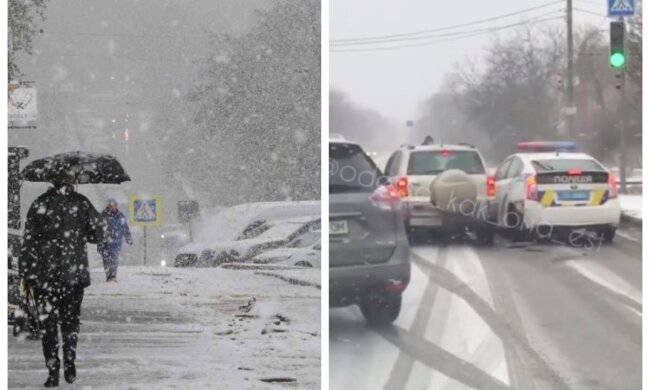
point(547, 146)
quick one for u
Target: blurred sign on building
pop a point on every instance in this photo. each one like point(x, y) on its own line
point(22, 110)
point(188, 210)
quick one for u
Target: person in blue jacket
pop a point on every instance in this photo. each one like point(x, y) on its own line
point(117, 230)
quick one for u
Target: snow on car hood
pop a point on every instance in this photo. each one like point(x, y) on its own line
point(225, 225)
point(279, 232)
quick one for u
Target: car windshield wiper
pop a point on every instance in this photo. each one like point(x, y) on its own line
point(543, 166)
point(430, 172)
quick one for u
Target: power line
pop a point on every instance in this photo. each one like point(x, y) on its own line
point(460, 36)
point(589, 12)
point(592, 2)
point(381, 37)
point(449, 34)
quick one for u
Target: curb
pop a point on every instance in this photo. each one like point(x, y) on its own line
point(630, 220)
point(288, 279)
point(240, 266)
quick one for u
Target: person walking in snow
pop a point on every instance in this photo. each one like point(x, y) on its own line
point(117, 230)
point(53, 264)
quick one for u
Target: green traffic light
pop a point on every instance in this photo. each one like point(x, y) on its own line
point(617, 60)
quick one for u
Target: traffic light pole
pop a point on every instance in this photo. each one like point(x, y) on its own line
point(623, 144)
point(569, 66)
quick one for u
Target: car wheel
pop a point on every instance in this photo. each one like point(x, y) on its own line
point(303, 263)
point(515, 227)
point(381, 310)
point(607, 235)
point(485, 236)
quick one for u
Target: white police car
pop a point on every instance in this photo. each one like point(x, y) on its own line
point(548, 185)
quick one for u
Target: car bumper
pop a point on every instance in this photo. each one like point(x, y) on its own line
point(350, 284)
point(423, 214)
point(607, 214)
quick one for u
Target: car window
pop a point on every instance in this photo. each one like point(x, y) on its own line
point(435, 162)
point(351, 170)
point(305, 240)
point(566, 164)
point(501, 171)
point(515, 168)
point(392, 167)
point(253, 230)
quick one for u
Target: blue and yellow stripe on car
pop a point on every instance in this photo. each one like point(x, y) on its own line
point(547, 199)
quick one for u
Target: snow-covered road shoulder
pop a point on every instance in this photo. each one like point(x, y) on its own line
point(189, 328)
point(631, 206)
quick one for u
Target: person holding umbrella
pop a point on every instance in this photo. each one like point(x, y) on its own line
point(53, 260)
point(54, 265)
point(117, 230)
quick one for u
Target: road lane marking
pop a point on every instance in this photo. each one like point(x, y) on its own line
point(606, 278)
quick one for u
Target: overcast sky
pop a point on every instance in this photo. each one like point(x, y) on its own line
point(395, 82)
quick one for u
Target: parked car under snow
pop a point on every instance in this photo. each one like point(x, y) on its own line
point(275, 234)
point(231, 230)
point(304, 251)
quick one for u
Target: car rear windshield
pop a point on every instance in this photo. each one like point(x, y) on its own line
point(566, 164)
point(435, 162)
point(351, 170)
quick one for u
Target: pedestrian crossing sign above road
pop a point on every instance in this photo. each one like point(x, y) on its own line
point(621, 8)
point(145, 210)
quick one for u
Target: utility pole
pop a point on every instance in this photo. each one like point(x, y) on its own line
point(569, 69)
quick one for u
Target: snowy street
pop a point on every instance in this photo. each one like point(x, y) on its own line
point(163, 328)
point(536, 317)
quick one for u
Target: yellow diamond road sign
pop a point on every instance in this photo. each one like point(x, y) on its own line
point(145, 210)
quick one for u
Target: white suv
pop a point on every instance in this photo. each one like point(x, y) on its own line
point(413, 168)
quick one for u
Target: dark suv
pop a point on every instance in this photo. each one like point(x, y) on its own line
point(369, 252)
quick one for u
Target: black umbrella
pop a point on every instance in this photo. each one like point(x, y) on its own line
point(87, 168)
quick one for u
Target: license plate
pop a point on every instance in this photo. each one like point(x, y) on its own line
point(573, 195)
point(338, 227)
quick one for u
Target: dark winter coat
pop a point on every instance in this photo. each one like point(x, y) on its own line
point(117, 230)
point(59, 224)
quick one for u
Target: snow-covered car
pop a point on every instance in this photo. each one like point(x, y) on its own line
point(303, 251)
point(275, 234)
point(304, 257)
point(239, 222)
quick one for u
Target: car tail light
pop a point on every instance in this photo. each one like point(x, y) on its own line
point(531, 187)
point(613, 188)
point(445, 153)
point(403, 187)
point(491, 186)
point(395, 286)
point(575, 172)
point(386, 198)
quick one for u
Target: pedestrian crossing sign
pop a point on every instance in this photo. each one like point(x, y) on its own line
point(621, 8)
point(145, 210)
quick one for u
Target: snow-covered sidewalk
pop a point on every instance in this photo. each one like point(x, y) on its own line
point(161, 328)
point(631, 206)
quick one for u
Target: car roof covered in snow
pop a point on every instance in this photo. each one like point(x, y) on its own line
point(228, 223)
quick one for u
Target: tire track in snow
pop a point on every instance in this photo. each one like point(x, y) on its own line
point(404, 366)
point(508, 334)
